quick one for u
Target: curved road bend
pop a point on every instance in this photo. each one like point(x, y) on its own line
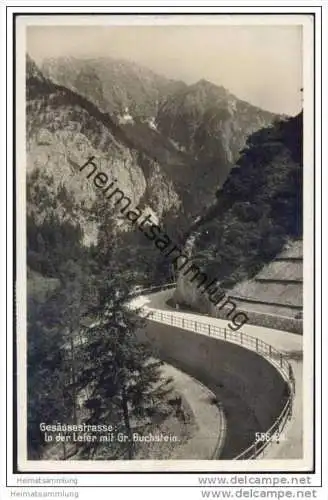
point(209, 434)
point(291, 345)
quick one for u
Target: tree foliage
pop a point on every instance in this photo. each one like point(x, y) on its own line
point(123, 381)
point(85, 361)
point(259, 207)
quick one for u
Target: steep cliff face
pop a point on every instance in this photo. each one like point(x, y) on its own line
point(209, 122)
point(258, 213)
point(173, 164)
point(63, 131)
point(194, 132)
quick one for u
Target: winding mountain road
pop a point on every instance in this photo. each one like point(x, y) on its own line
point(290, 345)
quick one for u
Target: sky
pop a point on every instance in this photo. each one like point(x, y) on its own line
point(259, 64)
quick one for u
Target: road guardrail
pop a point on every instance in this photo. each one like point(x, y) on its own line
point(265, 350)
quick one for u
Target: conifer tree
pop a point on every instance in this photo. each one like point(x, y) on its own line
point(47, 373)
point(123, 380)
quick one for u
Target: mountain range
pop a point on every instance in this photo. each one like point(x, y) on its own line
point(112, 84)
point(170, 145)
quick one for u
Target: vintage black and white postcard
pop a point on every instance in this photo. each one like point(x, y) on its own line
point(165, 275)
